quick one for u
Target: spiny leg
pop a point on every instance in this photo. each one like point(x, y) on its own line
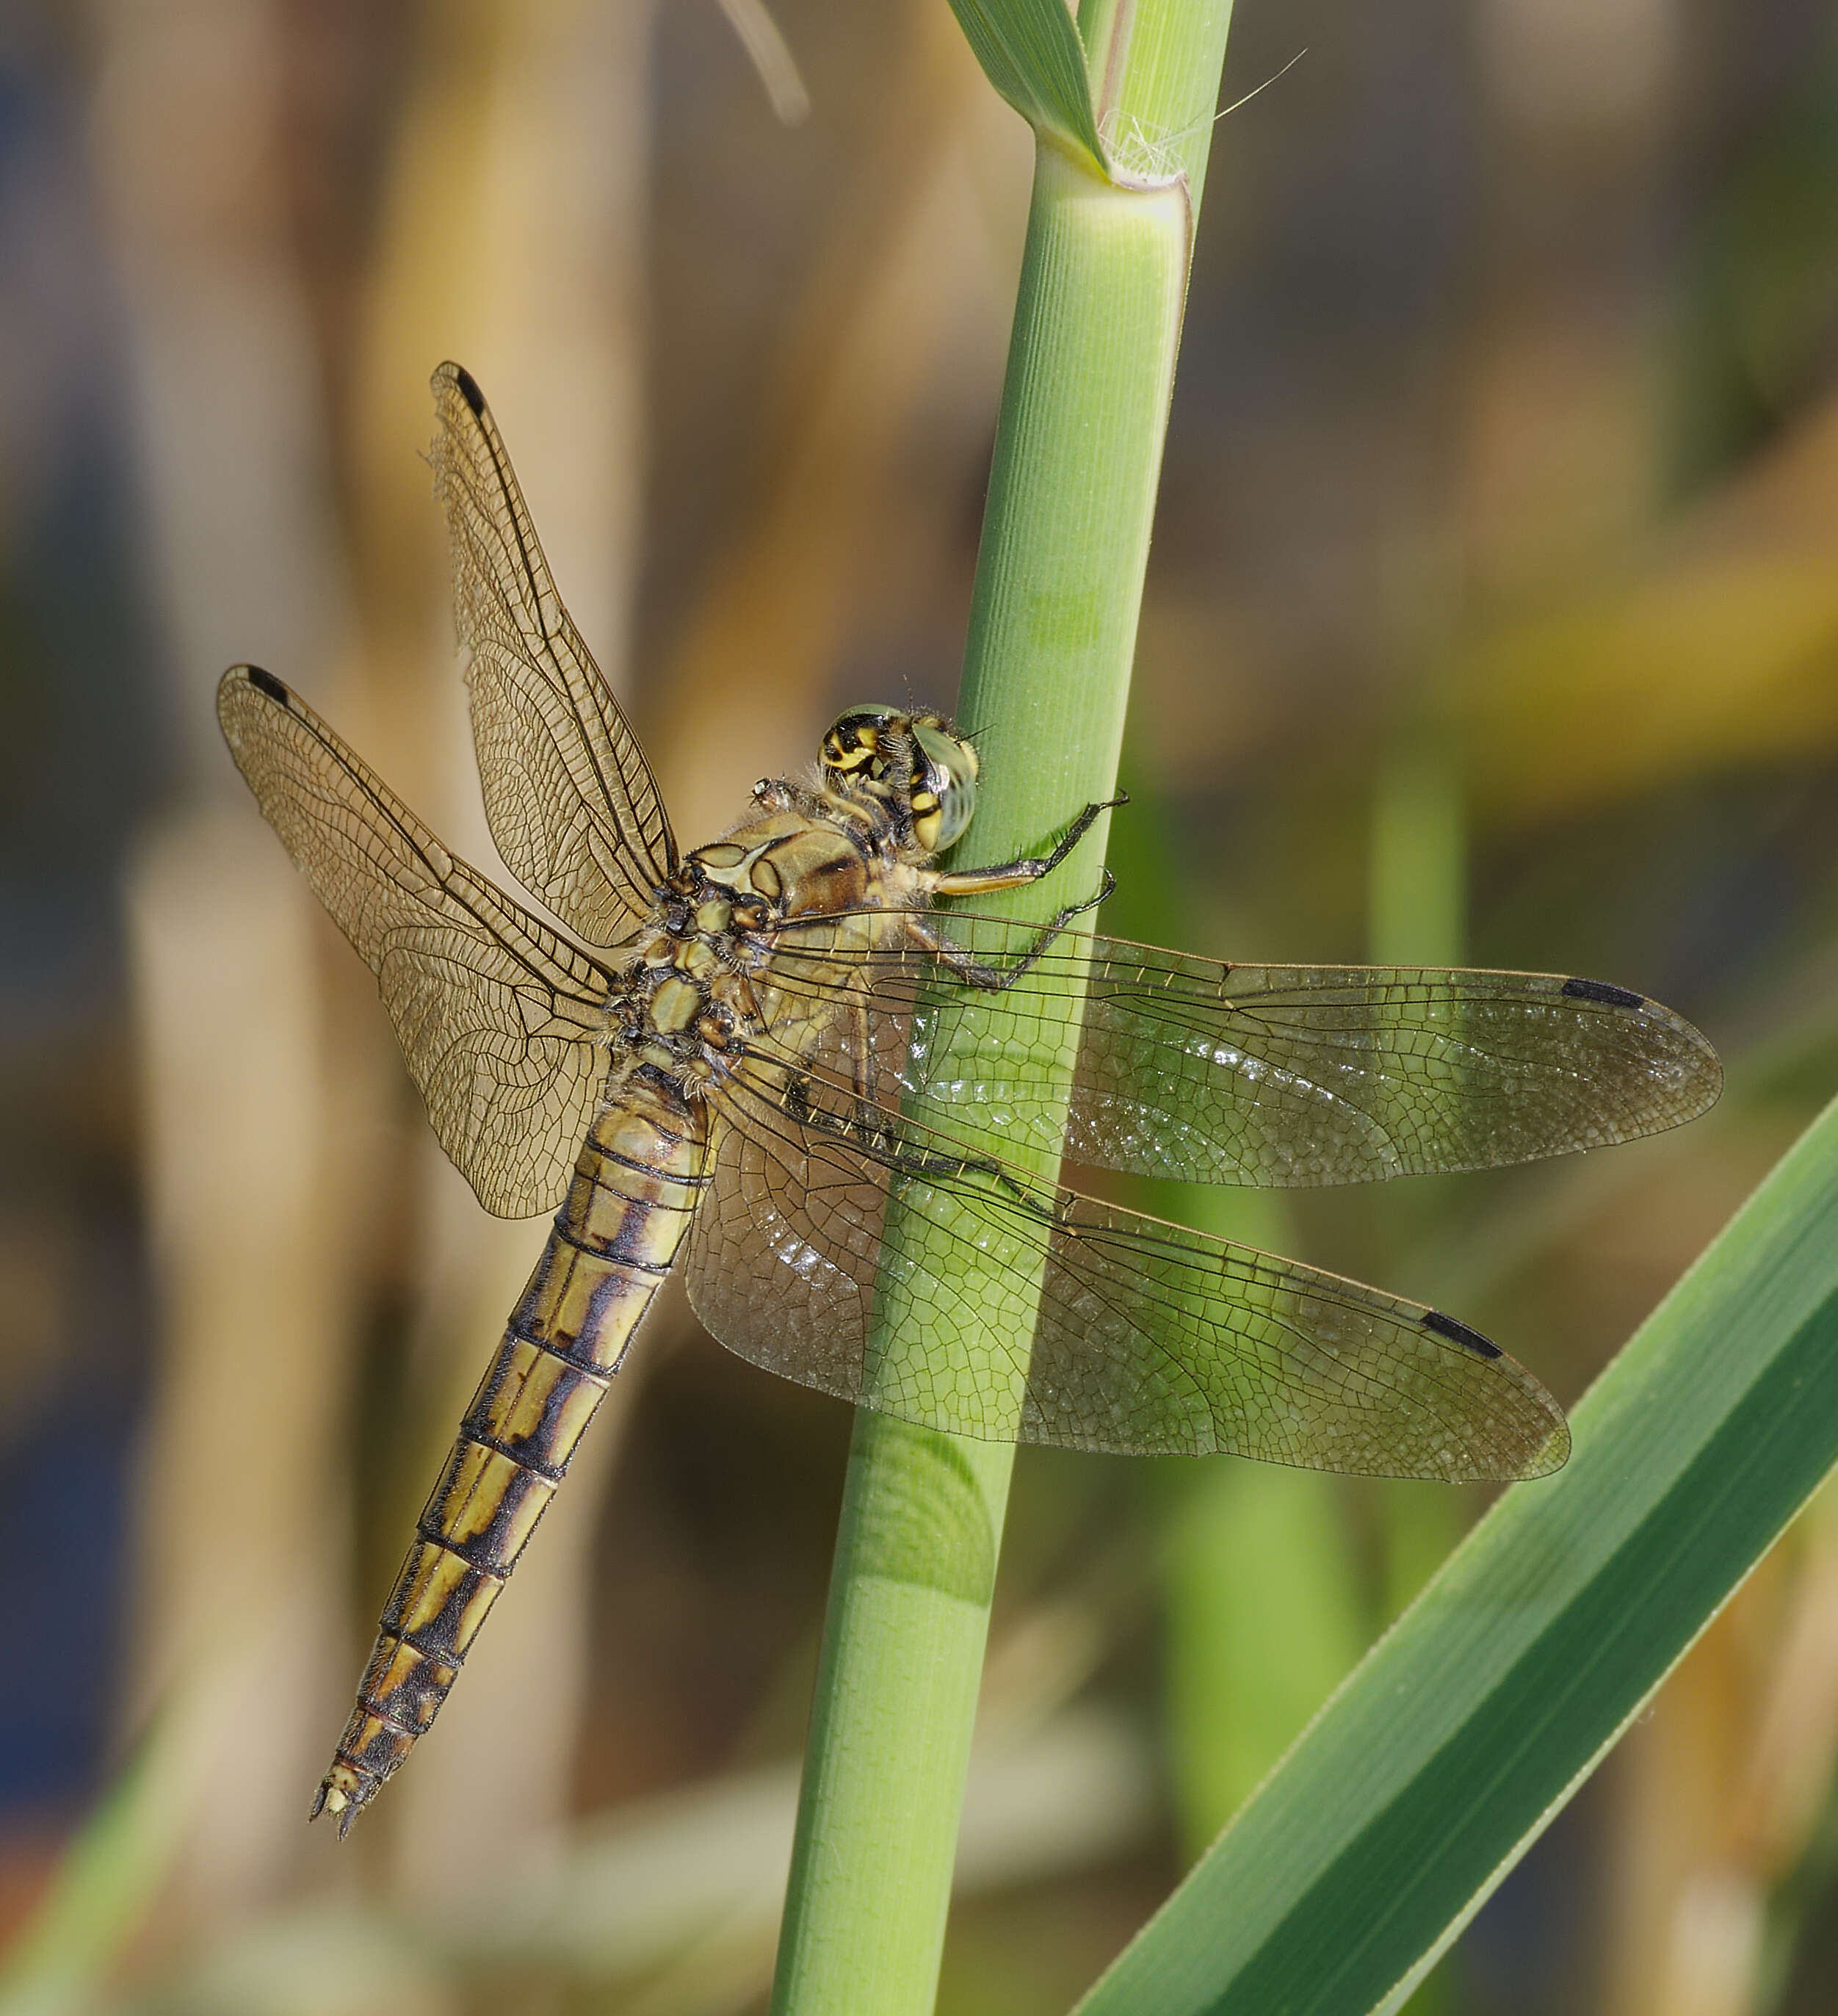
point(960, 961)
point(1012, 874)
point(870, 1133)
point(866, 1128)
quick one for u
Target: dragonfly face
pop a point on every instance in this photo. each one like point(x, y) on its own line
point(918, 761)
point(723, 1057)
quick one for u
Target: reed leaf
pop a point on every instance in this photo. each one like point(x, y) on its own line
point(1462, 1735)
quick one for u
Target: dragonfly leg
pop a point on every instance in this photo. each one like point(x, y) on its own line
point(907, 1161)
point(1012, 874)
point(860, 1044)
point(973, 972)
point(869, 1131)
point(866, 1127)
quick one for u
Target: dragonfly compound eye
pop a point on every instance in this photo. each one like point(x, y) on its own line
point(943, 793)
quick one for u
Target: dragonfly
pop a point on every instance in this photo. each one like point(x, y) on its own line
point(755, 1057)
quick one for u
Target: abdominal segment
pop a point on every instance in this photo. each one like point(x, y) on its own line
point(627, 1210)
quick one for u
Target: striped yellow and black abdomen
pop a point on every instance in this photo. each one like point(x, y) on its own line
point(635, 1189)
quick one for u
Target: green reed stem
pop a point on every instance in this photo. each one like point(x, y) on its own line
point(1052, 633)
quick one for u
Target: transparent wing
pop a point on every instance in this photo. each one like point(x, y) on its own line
point(571, 801)
point(1274, 1075)
point(495, 1013)
point(1151, 1339)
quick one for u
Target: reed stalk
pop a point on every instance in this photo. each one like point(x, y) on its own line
point(1052, 632)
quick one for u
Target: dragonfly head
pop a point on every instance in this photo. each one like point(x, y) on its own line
point(915, 763)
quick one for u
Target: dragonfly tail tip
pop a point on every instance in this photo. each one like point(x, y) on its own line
point(330, 1799)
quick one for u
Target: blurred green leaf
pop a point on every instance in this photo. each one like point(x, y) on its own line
point(1029, 50)
point(103, 1887)
point(1416, 915)
point(1263, 1621)
point(1465, 1730)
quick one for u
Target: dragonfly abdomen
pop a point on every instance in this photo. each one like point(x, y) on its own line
point(635, 1188)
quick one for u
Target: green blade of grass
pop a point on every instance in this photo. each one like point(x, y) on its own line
point(1458, 1739)
point(1029, 50)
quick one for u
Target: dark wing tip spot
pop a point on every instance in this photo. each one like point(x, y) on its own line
point(1605, 992)
point(1459, 1333)
point(469, 389)
point(266, 683)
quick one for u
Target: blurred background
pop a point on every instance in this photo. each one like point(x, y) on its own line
point(1493, 617)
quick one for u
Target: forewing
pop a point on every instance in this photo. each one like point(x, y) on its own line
point(1280, 1076)
point(495, 1013)
point(571, 801)
point(1152, 1339)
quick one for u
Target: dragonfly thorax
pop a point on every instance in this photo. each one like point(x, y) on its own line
point(672, 1012)
point(698, 986)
